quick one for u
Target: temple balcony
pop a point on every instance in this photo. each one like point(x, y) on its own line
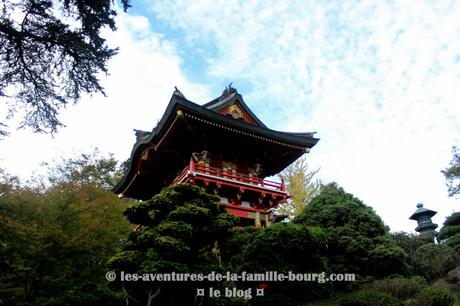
point(221, 177)
point(245, 196)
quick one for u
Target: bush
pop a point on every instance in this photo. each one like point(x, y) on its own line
point(434, 260)
point(432, 296)
point(368, 297)
point(401, 288)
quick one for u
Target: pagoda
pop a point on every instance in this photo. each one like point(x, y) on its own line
point(220, 146)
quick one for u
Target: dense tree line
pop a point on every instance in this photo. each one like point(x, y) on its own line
point(57, 233)
point(61, 233)
point(335, 233)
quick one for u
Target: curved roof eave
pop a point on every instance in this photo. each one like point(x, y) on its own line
point(129, 175)
point(301, 139)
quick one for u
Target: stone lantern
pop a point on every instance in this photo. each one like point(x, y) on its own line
point(423, 217)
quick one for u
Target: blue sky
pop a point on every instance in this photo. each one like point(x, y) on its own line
point(378, 80)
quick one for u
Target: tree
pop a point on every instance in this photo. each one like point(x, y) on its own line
point(357, 239)
point(450, 232)
point(50, 53)
point(87, 168)
point(179, 230)
point(56, 239)
point(410, 243)
point(452, 173)
point(300, 183)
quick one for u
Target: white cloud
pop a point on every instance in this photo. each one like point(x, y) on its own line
point(378, 81)
point(141, 82)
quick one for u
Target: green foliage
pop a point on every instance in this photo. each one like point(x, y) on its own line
point(87, 168)
point(50, 53)
point(368, 297)
point(434, 260)
point(357, 239)
point(282, 247)
point(181, 230)
point(450, 231)
point(453, 219)
point(433, 297)
point(335, 208)
point(452, 173)
point(410, 243)
point(328, 302)
point(399, 287)
point(300, 183)
point(83, 294)
point(55, 241)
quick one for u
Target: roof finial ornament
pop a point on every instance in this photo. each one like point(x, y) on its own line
point(228, 90)
point(177, 92)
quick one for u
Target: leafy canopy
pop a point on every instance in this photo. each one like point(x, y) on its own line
point(50, 53)
point(301, 185)
point(56, 238)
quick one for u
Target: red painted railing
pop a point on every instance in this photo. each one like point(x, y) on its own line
point(230, 175)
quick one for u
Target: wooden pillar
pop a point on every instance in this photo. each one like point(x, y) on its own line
point(258, 224)
point(267, 221)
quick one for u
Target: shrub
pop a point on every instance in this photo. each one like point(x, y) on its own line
point(434, 260)
point(432, 296)
point(401, 288)
point(368, 297)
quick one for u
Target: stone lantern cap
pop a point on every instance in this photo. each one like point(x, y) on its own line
point(422, 211)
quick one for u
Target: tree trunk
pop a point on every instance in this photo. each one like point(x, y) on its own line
point(152, 295)
point(129, 297)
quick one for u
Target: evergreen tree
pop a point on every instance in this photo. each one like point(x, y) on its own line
point(179, 230)
point(357, 239)
point(450, 232)
point(285, 248)
point(50, 53)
